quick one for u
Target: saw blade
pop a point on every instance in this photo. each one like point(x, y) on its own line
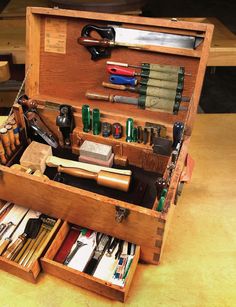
point(128, 37)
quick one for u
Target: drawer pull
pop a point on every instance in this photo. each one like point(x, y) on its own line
point(121, 214)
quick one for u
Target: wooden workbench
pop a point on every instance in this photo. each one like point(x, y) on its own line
point(198, 267)
point(223, 46)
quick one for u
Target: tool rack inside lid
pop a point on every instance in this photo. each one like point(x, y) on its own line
point(64, 73)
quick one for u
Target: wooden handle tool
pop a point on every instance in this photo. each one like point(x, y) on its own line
point(15, 131)
point(13, 250)
point(6, 141)
point(55, 162)
point(2, 154)
point(11, 137)
point(107, 179)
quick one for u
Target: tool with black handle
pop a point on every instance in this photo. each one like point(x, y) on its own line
point(178, 131)
point(112, 36)
point(100, 249)
point(31, 230)
point(65, 122)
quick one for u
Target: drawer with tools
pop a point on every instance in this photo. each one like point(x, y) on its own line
point(24, 236)
point(98, 262)
point(105, 122)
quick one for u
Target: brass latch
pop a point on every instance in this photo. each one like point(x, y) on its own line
point(121, 214)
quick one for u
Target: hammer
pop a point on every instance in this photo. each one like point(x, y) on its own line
point(38, 155)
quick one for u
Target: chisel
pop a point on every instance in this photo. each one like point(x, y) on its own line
point(8, 240)
point(123, 80)
point(148, 91)
point(155, 67)
point(31, 230)
point(143, 102)
point(150, 74)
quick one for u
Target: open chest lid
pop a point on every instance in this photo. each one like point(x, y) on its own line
point(60, 70)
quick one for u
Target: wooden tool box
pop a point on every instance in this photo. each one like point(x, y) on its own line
point(60, 70)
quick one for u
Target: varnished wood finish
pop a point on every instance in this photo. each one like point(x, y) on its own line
point(81, 279)
point(31, 273)
point(64, 78)
point(77, 61)
point(111, 180)
point(96, 211)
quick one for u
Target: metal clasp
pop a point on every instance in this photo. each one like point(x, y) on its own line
point(121, 214)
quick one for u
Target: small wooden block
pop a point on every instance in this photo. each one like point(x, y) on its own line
point(95, 150)
point(4, 71)
point(35, 156)
point(121, 160)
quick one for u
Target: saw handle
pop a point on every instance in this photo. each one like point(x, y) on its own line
point(94, 47)
point(94, 42)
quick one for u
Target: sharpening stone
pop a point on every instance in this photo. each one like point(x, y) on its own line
point(107, 163)
point(35, 156)
point(95, 150)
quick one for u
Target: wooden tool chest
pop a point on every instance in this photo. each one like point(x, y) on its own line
point(59, 71)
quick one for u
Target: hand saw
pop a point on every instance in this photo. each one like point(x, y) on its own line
point(112, 36)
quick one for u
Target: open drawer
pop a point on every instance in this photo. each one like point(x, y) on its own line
point(82, 279)
point(30, 271)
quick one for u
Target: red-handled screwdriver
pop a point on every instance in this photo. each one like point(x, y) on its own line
point(123, 71)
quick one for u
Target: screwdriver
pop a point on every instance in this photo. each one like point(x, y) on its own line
point(178, 129)
point(155, 67)
point(143, 102)
point(123, 80)
point(123, 71)
point(149, 91)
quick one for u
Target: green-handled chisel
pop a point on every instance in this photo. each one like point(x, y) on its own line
point(143, 102)
point(154, 67)
point(149, 91)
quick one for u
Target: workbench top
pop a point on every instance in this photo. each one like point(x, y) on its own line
point(198, 267)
